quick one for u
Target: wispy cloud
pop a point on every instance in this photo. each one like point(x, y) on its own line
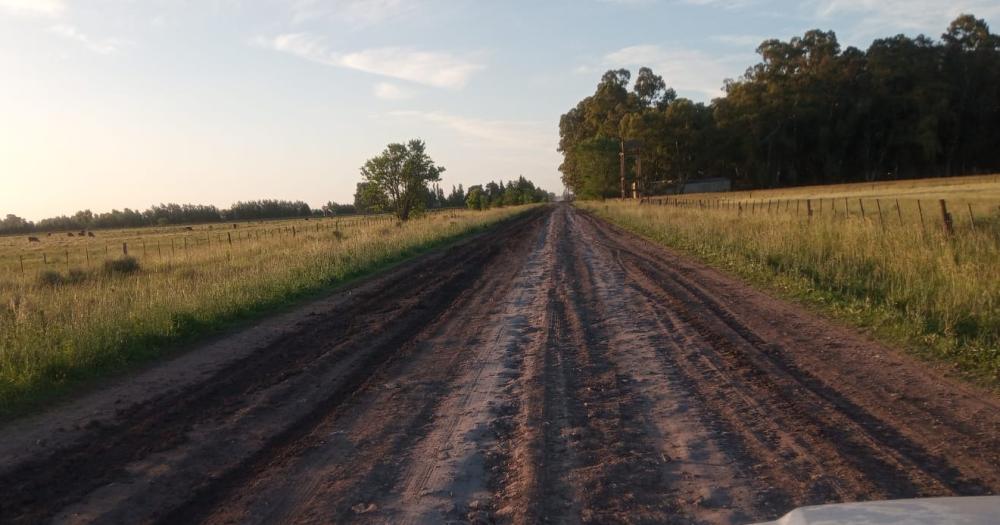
point(389, 91)
point(438, 69)
point(503, 133)
point(34, 7)
point(751, 41)
point(686, 70)
point(726, 4)
point(104, 46)
point(356, 12)
point(931, 16)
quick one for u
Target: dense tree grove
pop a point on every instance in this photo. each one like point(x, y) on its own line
point(808, 113)
point(397, 180)
point(493, 195)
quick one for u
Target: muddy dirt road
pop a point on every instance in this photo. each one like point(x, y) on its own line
point(555, 369)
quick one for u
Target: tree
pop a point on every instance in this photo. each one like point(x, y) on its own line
point(398, 177)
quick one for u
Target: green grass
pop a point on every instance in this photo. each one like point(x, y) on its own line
point(76, 320)
point(934, 294)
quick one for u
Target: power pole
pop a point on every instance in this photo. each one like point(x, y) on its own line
point(621, 167)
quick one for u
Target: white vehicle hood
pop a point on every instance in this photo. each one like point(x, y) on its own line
point(972, 510)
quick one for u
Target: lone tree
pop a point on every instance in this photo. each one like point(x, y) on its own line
point(398, 177)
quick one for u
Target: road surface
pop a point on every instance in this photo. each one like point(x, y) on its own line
point(554, 369)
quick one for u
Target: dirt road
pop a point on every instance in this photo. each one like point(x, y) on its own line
point(555, 369)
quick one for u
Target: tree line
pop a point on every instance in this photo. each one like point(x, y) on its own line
point(808, 113)
point(403, 180)
point(396, 181)
point(161, 215)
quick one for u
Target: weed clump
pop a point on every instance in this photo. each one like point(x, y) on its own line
point(122, 266)
point(55, 278)
point(50, 278)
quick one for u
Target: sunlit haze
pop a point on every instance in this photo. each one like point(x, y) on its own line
point(112, 104)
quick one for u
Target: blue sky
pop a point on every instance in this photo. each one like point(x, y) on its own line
point(126, 103)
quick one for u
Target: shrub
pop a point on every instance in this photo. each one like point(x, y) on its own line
point(122, 266)
point(75, 276)
point(50, 278)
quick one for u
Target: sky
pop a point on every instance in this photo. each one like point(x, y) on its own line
point(128, 103)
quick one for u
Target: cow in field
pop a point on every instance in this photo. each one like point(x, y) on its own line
point(90, 234)
point(33, 239)
point(69, 234)
point(188, 228)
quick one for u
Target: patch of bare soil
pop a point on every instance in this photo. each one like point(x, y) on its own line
point(556, 369)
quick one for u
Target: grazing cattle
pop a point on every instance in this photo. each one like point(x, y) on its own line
point(33, 239)
point(188, 228)
point(90, 234)
point(82, 234)
point(70, 234)
point(234, 226)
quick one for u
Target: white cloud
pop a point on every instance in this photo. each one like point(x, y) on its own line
point(929, 16)
point(749, 41)
point(389, 91)
point(34, 7)
point(725, 4)
point(504, 133)
point(438, 69)
point(355, 12)
point(104, 46)
point(683, 69)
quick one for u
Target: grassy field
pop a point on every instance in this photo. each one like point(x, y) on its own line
point(906, 279)
point(71, 311)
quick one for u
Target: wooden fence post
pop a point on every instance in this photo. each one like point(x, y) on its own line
point(881, 221)
point(21, 259)
point(293, 231)
point(847, 207)
point(899, 212)
point(124, 248)
point(972, 218)
point(861, 203)
point(230, 237)
point(920, 210)
point(949, 227)
point(809, 208)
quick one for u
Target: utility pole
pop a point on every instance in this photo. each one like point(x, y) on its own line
point(621, 167)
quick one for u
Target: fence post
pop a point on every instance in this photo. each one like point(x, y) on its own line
point(21, 259)
point(920, 210)
point(847, 208)
point(899, 212)
point(230, 237)
point(861, 203)
point(809, 208)
point(949, 227)
point(45, 258)
point(293, 231)
point(881, 221)
point(972, 218)
point(67, 257)
point(124, 248)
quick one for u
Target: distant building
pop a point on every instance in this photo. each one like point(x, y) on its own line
point(713, 185)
